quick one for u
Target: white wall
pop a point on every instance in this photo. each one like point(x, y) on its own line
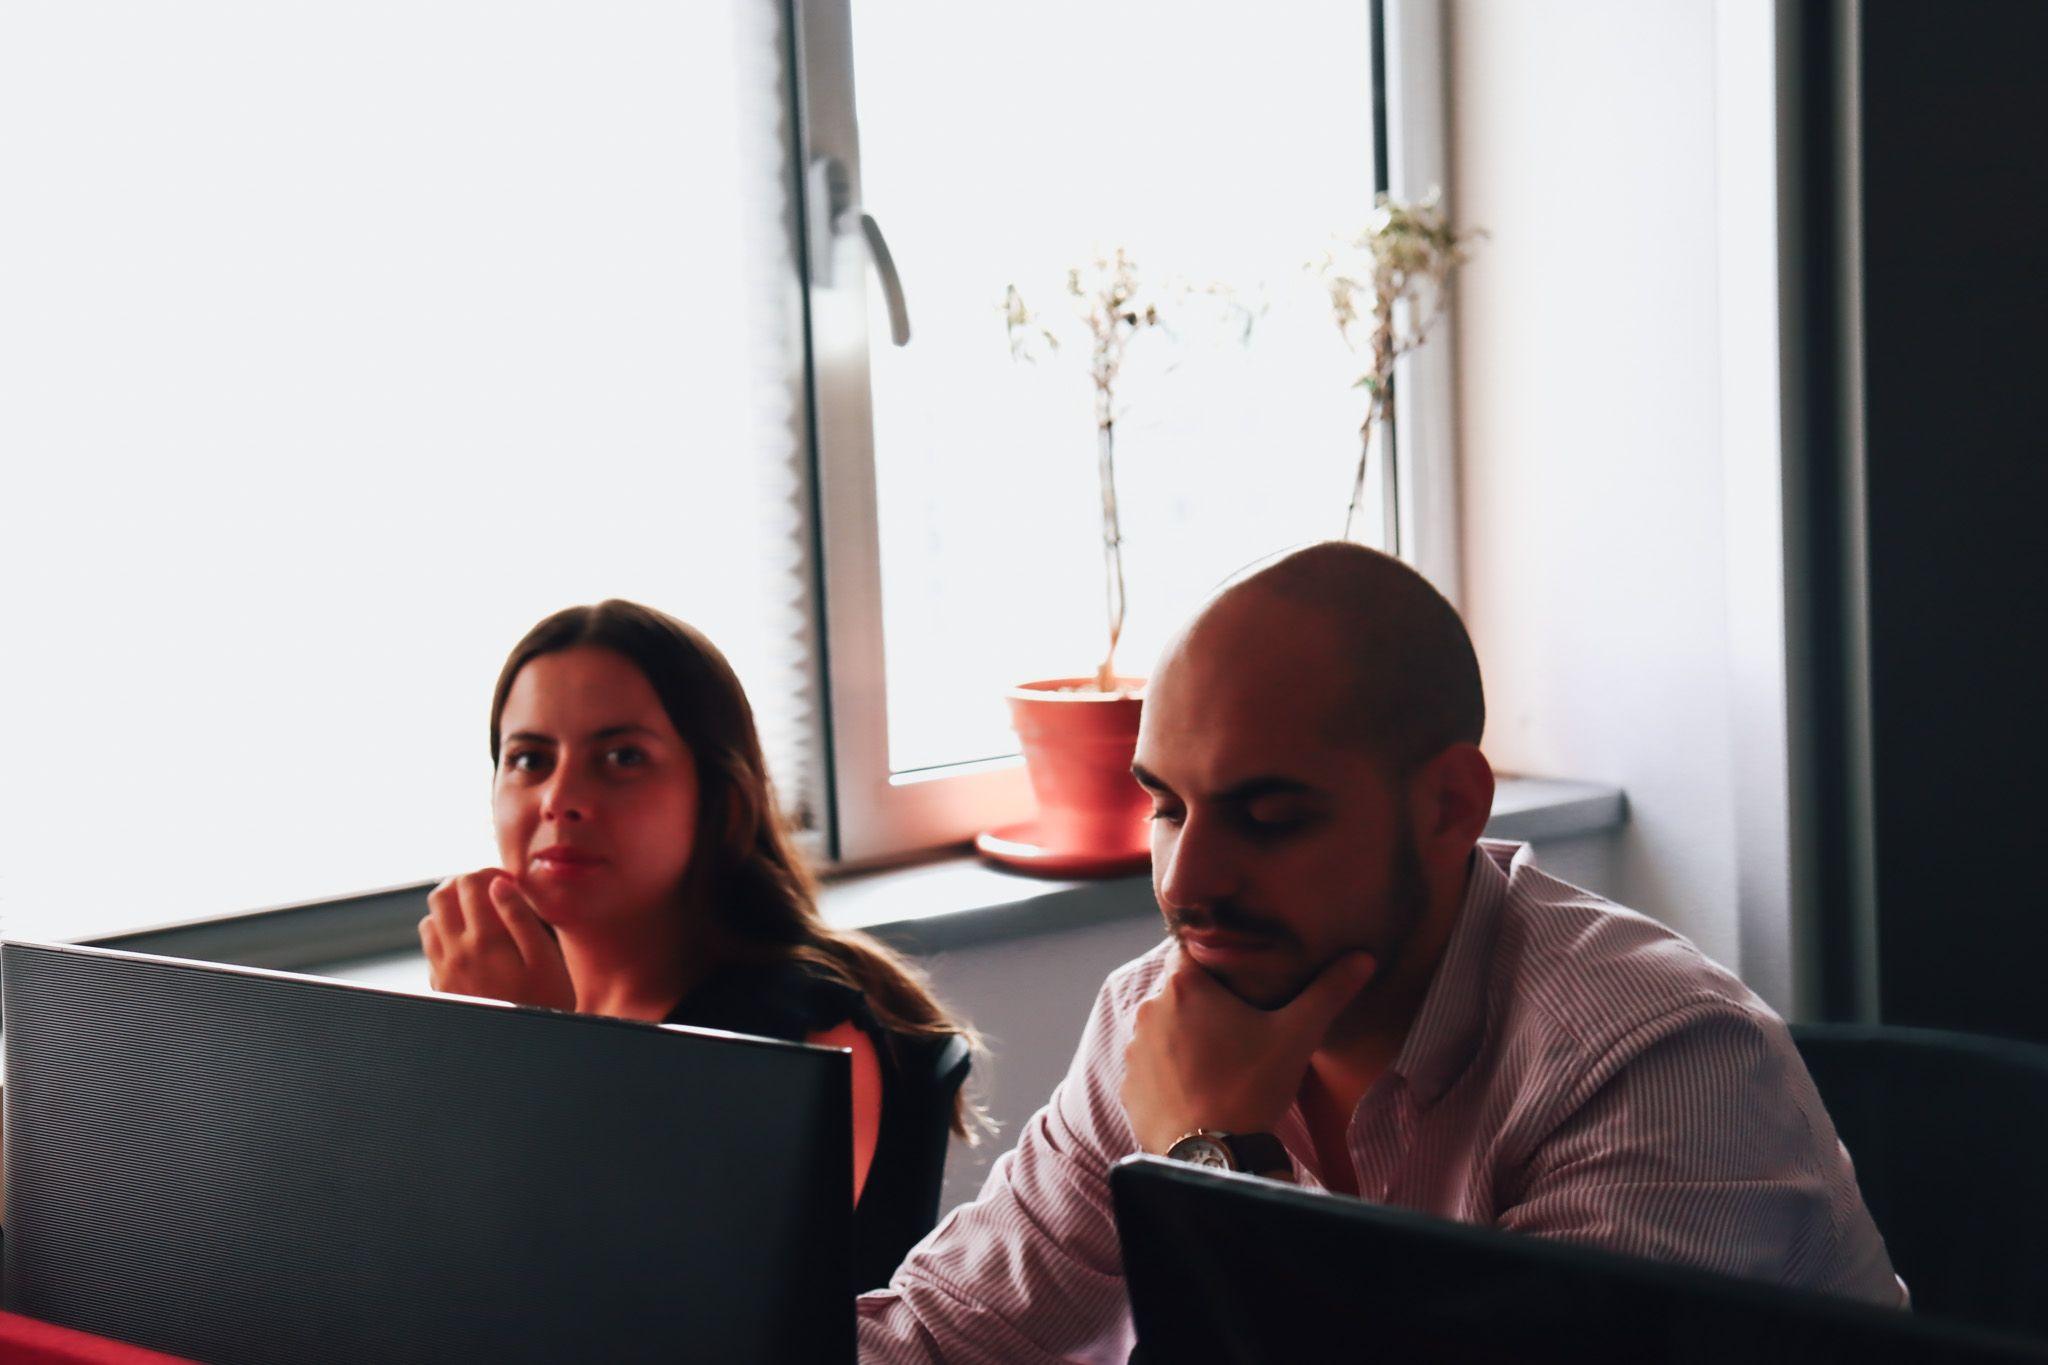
point(1598, 580)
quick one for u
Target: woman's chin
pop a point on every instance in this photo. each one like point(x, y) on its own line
point(558, 909)
point(562, 907)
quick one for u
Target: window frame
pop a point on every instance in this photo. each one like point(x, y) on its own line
point(879, 815)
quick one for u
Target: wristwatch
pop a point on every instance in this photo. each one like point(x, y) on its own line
point(1253, 1153)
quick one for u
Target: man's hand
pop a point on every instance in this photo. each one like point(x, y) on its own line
point(1202, 1058)
point(482, 936)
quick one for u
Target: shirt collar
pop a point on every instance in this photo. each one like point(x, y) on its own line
point(1448, 1027)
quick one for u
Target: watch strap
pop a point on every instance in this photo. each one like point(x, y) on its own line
point(1257, 1153)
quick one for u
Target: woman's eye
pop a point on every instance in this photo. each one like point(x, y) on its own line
point(525, 761)
point(1165, 815)
point(626, 757)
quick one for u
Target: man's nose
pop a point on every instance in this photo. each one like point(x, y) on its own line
point(1198, 867)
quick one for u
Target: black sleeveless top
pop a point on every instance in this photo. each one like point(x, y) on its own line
point(793, 1001)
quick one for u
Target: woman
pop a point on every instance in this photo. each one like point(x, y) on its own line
point(644, 873)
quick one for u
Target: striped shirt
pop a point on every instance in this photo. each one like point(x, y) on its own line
point(1575, 1071)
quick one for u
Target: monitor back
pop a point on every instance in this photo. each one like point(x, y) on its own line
point(1225, 1267)
point(245, 1166)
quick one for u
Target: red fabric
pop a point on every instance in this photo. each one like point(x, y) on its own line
point(25, 1341)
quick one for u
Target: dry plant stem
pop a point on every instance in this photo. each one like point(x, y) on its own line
point(1404, 249)
point(1112, 549)
point(1365, 430)
point(1114, 309)
point(1386, 351)
point(1378, 406)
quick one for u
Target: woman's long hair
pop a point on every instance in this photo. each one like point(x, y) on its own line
point(743, 868)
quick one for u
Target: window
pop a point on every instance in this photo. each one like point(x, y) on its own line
point(339, 344)
point(993, 145)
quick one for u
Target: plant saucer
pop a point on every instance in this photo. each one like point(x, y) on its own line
point(1017, 848)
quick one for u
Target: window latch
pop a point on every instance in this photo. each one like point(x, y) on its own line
point(834, 215)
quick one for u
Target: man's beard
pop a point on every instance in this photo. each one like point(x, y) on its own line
point(1407, 905)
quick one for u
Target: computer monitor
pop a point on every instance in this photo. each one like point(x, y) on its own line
point(1225, 1267)
point(249, 1166)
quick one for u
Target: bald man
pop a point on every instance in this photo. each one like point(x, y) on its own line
point(1359, 994)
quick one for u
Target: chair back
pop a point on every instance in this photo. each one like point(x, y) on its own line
point(900, 1203)
point(1949, 1133)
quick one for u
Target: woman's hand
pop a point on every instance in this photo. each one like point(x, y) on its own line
point(482, 936)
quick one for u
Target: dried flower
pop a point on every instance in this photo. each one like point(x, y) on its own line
point(1396, 273)
point(1111, 299)
point(1026, 334)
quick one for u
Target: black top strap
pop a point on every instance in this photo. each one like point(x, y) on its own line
point(796, 1000)
point(787, 1000)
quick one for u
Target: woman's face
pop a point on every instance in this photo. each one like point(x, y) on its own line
point(595, 795)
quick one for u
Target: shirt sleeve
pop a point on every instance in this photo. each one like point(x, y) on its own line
point(1699, 1139)
point(1031, 1270)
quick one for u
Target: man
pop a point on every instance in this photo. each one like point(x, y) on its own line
point(1420, 1018)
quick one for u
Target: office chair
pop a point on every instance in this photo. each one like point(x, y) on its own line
point(1949, 1133)
point(901, 1201)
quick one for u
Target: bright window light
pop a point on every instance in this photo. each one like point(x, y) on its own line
point(339, 343)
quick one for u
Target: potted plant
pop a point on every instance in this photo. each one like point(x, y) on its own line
point(1078, 733)
point(1399, 268)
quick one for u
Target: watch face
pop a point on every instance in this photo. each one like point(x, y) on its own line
point(1202, 1151)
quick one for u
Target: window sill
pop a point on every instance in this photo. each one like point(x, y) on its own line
point(958, 900)
point(947, 902)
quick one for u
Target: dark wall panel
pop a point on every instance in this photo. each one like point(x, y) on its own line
point(1954, 206)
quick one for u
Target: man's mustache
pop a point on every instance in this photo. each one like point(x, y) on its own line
point(1229, 918)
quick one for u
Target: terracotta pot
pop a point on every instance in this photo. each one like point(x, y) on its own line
point(1077, 748)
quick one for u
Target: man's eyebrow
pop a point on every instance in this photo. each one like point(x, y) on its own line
point(1251, 789)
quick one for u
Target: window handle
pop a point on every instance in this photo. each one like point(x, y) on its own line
point(885, 273)
point(832, 203)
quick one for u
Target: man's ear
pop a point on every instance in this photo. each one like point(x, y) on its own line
point(1453, 795)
